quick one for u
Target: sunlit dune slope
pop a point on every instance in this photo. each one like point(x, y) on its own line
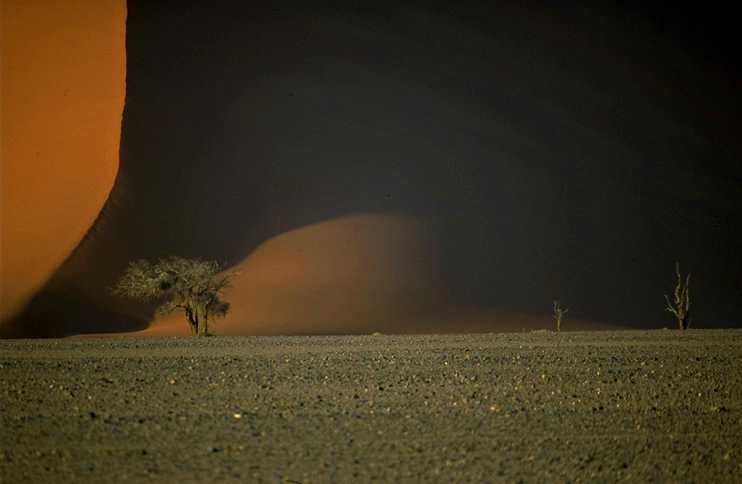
point(355, 274)
point(351, 274)
point(63, 66)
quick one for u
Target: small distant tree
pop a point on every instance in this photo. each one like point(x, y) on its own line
point(680, 304)
point(559, 313)
point(193, 286)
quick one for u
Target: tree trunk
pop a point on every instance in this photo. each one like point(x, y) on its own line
point(192, 323)
point(203, 325)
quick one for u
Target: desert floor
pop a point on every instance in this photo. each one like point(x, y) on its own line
point(581, 406)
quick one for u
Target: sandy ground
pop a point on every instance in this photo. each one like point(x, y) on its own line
point(536, 407)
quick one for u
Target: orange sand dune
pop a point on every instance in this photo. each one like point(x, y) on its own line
point(244, 129)
point(355, 274)
point(352, 274)
point(63, 67)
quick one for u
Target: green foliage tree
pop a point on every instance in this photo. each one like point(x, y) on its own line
point(680, 304)
point(193, 286)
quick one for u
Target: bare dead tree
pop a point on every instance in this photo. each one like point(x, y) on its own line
point(680, 304)
point(559, 313)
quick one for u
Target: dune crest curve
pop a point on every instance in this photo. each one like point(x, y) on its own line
point(359, 273)
point(63, 75)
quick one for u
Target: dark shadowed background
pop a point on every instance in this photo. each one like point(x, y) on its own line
point(532, 153)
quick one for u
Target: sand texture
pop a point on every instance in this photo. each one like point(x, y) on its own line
point(539, 407)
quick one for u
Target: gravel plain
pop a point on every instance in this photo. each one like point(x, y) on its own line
point(636, 406)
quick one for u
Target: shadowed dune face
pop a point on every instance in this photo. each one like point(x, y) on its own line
point(544, 152)
point(63, 67)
